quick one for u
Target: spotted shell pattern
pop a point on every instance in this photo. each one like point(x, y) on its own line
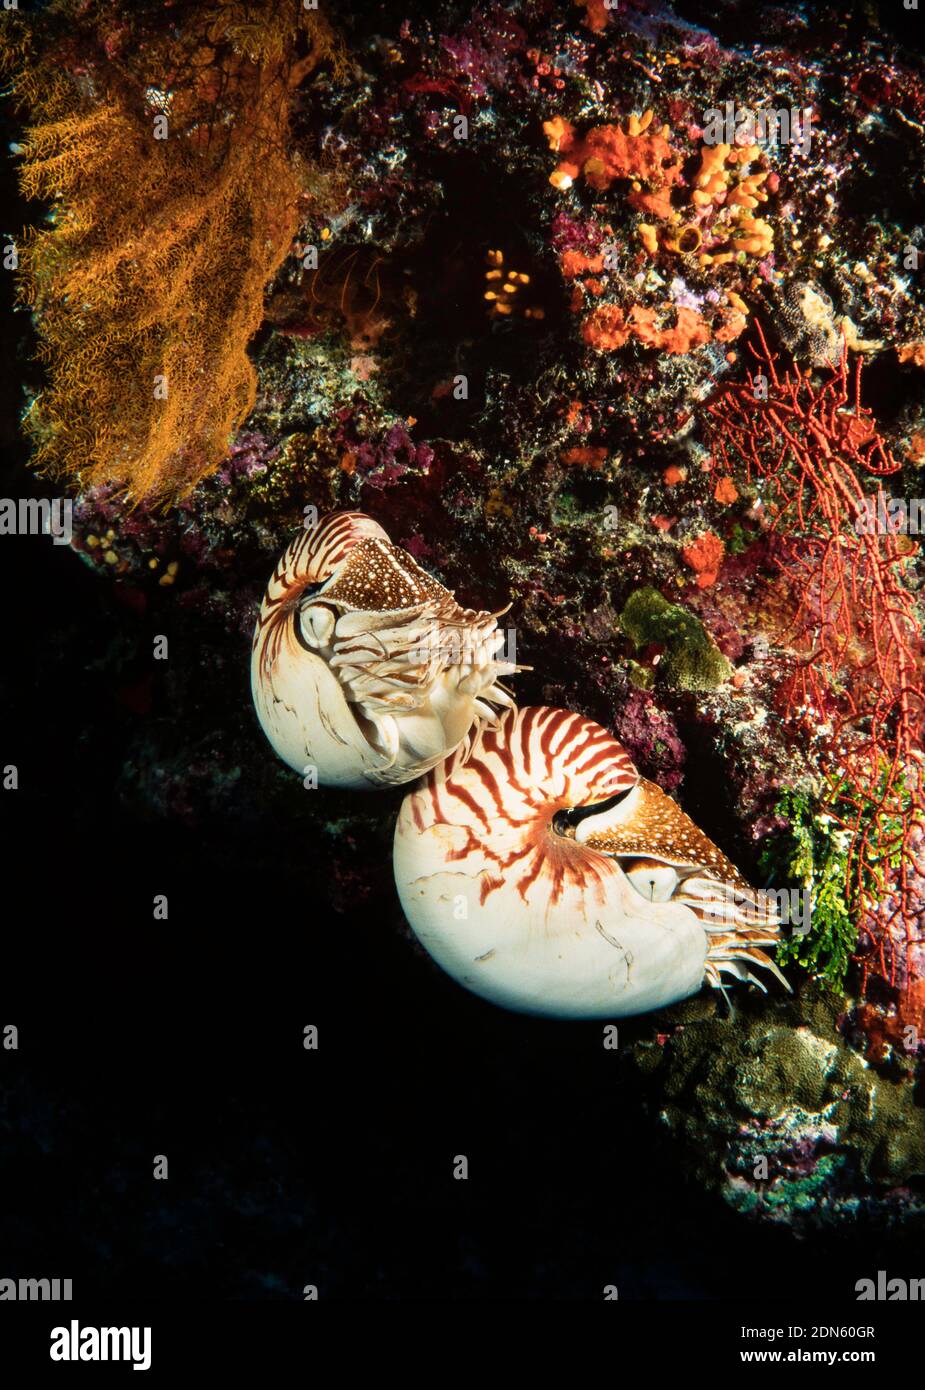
point(542, 872)
point(364, 667)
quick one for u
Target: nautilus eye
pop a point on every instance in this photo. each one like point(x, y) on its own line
point(654, 880)
point(364, 667)
point(542, 872)
point(318, 624)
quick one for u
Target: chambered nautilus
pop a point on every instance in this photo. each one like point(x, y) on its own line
point(364, 668)
point(532, 861)
point(542, 872)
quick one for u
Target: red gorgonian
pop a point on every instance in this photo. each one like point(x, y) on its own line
point(853, 677)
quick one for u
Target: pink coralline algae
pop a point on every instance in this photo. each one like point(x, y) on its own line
point(651, 736)
point(383, 462)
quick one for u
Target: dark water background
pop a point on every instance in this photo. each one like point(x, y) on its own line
point(290, 1167)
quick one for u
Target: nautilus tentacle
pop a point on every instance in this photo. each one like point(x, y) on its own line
point(542, 872)
point(363, 666)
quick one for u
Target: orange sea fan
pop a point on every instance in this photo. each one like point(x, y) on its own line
point(149, 282)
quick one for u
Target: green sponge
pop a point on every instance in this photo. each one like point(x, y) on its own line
point(692, 660)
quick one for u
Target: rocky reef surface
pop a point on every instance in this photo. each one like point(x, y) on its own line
point(775, 1110)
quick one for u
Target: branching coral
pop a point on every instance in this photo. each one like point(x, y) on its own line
point(162, 148)
point(856, 681)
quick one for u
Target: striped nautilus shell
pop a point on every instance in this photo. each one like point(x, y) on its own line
point(364, 668)
point(542, 872)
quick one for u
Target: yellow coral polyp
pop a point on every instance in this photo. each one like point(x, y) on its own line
point(714, 187)
point(712, 178)
point(637, 124)
point(558, 132)
point(748, 193)
point(712, 159)
point(754, 235)
point(706, 196)
point(648, 236)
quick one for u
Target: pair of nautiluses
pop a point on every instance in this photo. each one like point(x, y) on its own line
point(532, 861)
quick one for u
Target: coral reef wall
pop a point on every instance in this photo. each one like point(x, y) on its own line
point(547, 291)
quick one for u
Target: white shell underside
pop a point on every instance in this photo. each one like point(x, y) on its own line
point(598, 956)
point(305, 714)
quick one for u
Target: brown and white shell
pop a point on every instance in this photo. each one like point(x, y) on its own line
point(542, 872)
point(364, 668)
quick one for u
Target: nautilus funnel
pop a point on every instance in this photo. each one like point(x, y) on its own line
point(365, 668)
point(543, 873)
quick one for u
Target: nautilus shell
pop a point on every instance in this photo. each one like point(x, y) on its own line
point(364, 668)
point(542, 872)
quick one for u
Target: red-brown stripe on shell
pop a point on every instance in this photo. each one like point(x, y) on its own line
point(310, 558)
point(545, 828)
point(537, 762)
